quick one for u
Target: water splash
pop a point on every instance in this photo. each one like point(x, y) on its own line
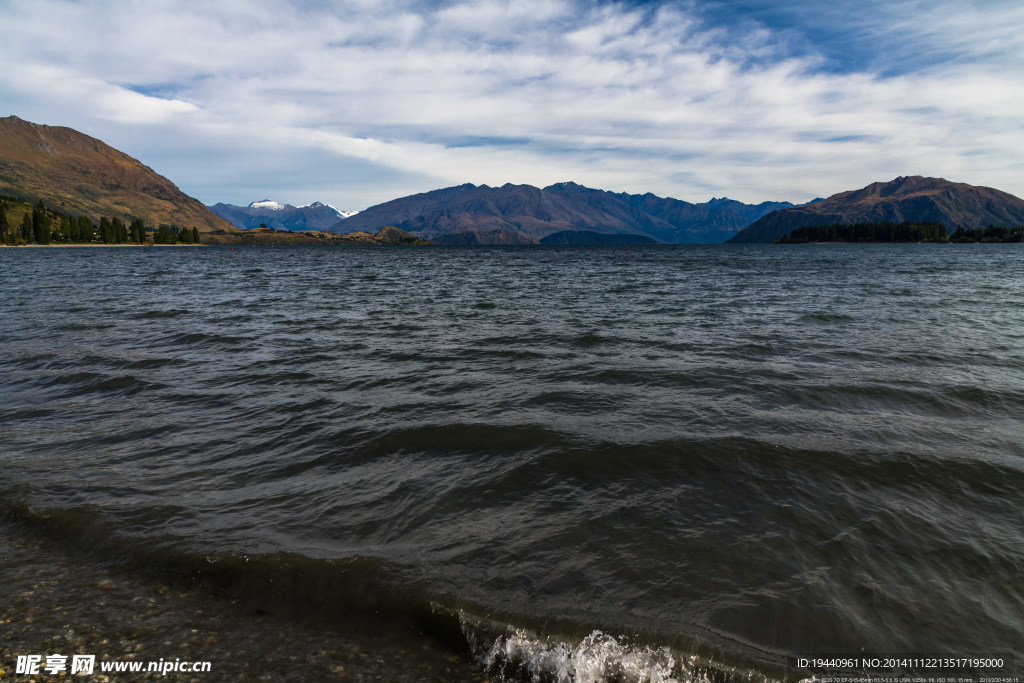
point(521, 656)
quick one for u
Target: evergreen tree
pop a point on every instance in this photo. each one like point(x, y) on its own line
point(106, 230)
point(119, 232)
point(195, 235)
point(26, 227)
point(41, 224)
point(138, 231)
point(5, 228)
point(86, 232)
point(37, 223)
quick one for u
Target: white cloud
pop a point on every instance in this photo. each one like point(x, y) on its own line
point(636, 98)
point(107, 100)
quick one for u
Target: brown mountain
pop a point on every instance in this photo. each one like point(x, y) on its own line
point(910, 198)
point(535, 213)
point(77, 174)
point(514, 208)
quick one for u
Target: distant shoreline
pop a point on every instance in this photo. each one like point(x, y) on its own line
point(61, 246)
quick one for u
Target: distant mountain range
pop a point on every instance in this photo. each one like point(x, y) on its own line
point(535, 213)
point(271, 214)
point(907, 198)
point(80, 175)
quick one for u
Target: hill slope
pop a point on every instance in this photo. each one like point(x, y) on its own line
point(907, 198)
point(78, 174)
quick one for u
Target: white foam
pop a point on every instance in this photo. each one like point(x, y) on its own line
point(598, 658)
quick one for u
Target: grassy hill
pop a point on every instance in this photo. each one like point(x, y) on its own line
point(80, 175)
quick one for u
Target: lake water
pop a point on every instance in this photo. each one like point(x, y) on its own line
point(545, 463)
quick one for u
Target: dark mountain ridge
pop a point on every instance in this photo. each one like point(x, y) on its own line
point(671, 220)
point(913, 199)
point(535, 213)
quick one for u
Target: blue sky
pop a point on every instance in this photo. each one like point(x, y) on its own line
point(354, 103)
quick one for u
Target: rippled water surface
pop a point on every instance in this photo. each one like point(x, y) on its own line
point(650, 460)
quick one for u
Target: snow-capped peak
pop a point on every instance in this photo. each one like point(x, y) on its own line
point(341, 214)
point(268, 204)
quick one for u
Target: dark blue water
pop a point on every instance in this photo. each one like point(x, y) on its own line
point(646, 463)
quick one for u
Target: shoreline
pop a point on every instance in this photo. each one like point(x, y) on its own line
point(74, 246)
point(61, 601)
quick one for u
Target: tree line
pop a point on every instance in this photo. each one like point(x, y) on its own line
point(993, 233)
point(45, 226)
point(868, 232)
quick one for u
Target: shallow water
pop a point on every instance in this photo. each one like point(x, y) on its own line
point(564, 463)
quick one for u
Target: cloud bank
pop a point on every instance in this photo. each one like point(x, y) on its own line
point(359, 102)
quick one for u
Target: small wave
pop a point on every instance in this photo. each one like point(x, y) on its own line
point(287, 582)
point(820, 317)
point(589, 339)
point(84, 327)
point(81, 383)
point(202, 339)
point(521, 655)
point(599, 657)
point(170, 313)
point(575, 402)
point(150, 363)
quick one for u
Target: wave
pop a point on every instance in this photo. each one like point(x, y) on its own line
point(516, 654)
point(359, 590)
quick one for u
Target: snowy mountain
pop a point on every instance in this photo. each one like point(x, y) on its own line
point(270, 204)
point(315, 216)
